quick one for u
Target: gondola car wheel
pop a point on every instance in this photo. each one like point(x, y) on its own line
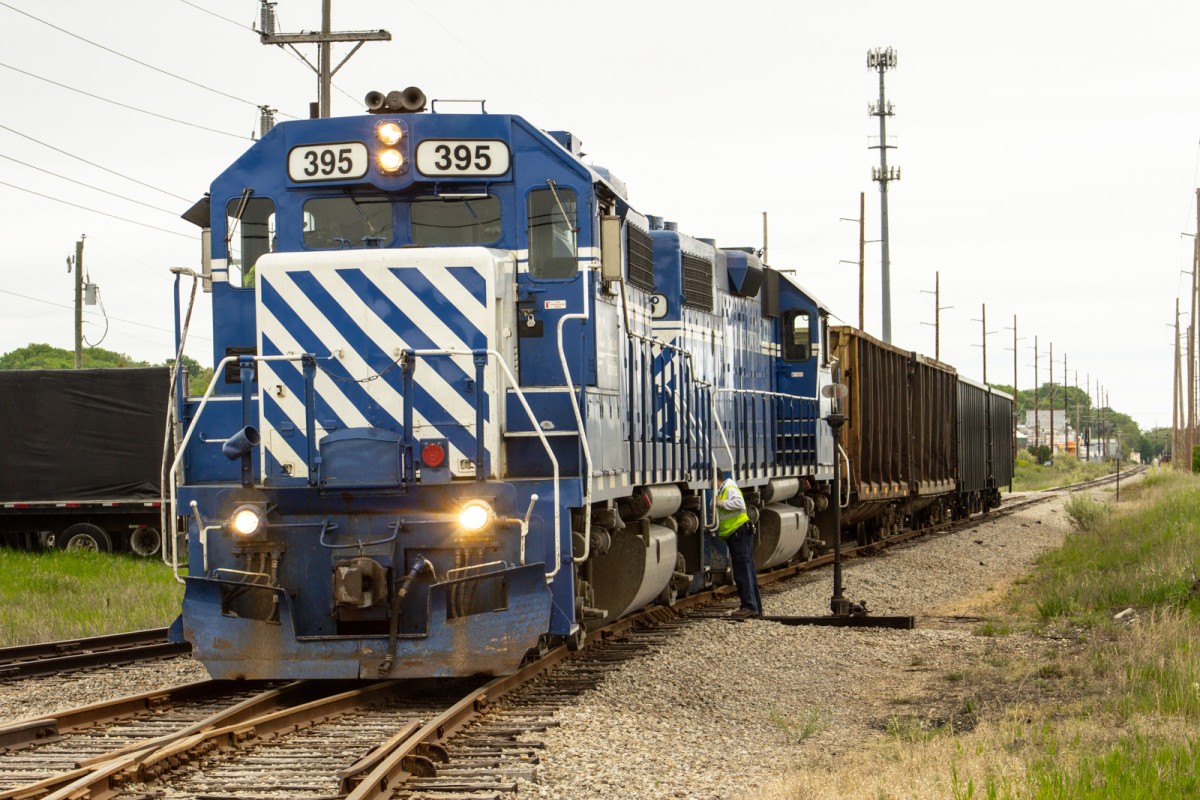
point(85, 536)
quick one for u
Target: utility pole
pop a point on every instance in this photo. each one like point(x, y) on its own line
point(938, 308)
point(1191, 439)
point(1050, 372)
point(862, 250)
point(1064, 393)
point(881, 60)
point(1077, 451)
point(764, 253)
point(1091, 417)
point(1037, 415)
point(1015, 395)
point(1176, 396)
point(78, 265)
point(324, 41)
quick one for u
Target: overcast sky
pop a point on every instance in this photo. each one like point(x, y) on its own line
point(1049, 151)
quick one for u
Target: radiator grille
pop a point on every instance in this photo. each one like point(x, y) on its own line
point(640, 259)
point(697, 283)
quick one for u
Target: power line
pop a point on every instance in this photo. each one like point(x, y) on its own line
point(89, 186)
point(93, 164)
point(95, 211)
point(123, 105)
point(127, 57)
point(115, 319)
point(218, 16)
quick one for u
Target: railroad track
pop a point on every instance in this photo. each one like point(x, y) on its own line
point(120, 648)
point(322, 740)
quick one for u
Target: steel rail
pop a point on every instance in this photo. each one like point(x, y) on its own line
point(68, 654)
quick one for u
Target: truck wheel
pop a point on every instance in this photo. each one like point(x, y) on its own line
point(145, 541)
point(85, 536)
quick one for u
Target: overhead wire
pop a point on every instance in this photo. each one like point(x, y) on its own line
point(89, 186)
point(129, 57)
point(93, 164)
point(96, 211)
point(122, 105)
point(114, 319)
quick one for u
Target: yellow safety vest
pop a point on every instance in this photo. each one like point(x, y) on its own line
point(729, 519)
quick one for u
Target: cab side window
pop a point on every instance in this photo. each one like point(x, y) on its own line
point(552, 215)
point(250, 233)
point(797, 335)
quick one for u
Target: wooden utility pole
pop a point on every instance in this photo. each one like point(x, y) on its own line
point(764, 255)
point(1190, 439)
point(1177, 397)
point(983, 323)
point(1050, 372)
point(1064, 393)
point(1077, 451)
point(78, 266)
point(1037, 417)
point(324, 41)
point(862, 256)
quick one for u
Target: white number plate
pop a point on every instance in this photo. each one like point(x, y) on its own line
point(486, 157)
point(328, 162)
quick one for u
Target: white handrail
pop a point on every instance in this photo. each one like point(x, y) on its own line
point(587, 452)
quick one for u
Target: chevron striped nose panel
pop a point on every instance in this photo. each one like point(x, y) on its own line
point(358, 312)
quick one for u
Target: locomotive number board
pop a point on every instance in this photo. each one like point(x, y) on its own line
point(466, 157)
point(328, 162)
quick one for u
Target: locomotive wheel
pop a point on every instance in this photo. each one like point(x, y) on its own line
point(84, 536)
point(145, 541)
point(576, 639)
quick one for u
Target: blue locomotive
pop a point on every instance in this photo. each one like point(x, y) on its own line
point(469, 402)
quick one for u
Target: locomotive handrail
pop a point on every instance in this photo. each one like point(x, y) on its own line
point(218, 371)
point(537, 429)
point(587, 451)
point(721, 428)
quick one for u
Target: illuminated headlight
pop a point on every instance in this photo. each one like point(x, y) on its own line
point(475, 515)
point(246, 521)
point(389, 133)
point(390, 160)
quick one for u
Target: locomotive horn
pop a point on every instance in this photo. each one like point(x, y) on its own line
point(375, 101)
point(412, 99)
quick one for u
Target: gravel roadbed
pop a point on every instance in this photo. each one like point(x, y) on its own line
point(727, 707)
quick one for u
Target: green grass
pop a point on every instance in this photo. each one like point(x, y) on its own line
point(1140, 675)
point(1029, 476)
point(1135, 768)
point(60, 595)
point(1145, 558)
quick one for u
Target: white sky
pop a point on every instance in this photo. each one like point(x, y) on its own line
point(1049, 150)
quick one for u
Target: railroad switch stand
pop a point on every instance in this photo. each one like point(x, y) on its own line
point(845, 614)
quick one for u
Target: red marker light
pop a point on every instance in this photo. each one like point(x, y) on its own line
point(432, 455)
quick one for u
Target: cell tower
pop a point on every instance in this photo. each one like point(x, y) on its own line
point(881, 60)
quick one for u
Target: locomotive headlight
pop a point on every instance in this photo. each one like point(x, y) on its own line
point(246, 520)
point(390, 160)
point(389, 133)
point(475, 515)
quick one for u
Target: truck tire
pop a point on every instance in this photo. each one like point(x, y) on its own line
point(85, 536)
point(145, 541)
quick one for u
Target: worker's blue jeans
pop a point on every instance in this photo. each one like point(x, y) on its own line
point(741, 557)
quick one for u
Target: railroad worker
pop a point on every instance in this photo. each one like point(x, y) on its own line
point(735, 530)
